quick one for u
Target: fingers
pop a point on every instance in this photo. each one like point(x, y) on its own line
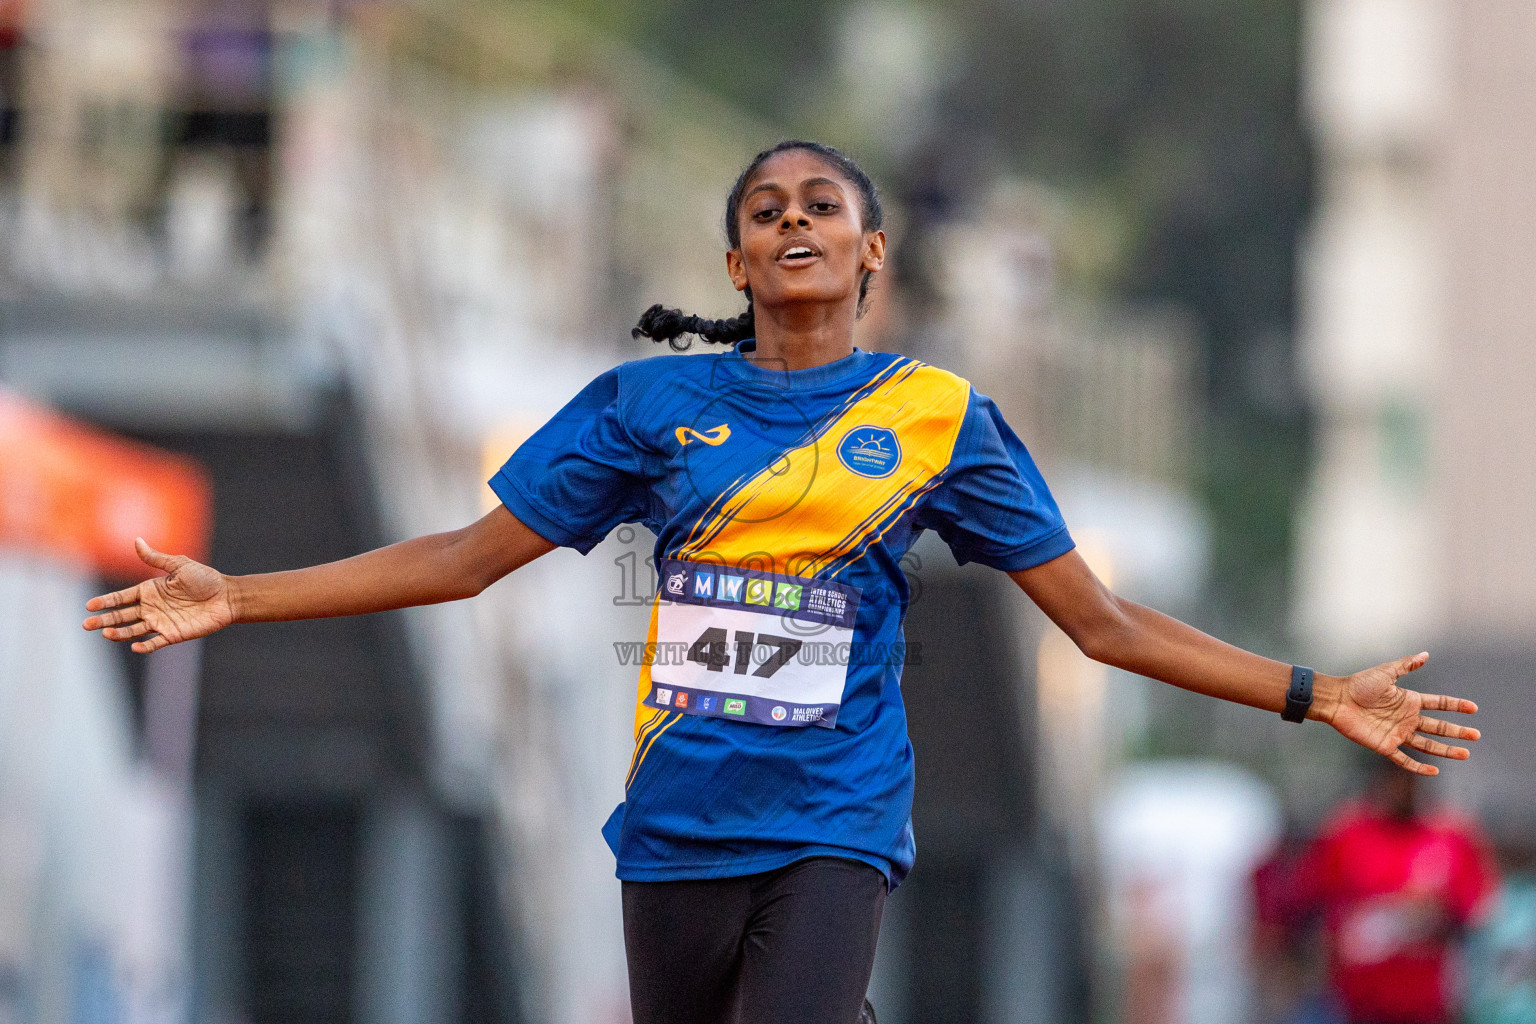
point(1440, 702)
point(1435, 727)
point(1397, 757)
point(1438, 749)
point(148, 555)
point(156, 559)
point(150, 645)
point(112, 600)
point(127, 632)
point(1402, 666)
point(115, 618)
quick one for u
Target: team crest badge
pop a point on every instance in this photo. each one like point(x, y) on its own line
point(870, 451)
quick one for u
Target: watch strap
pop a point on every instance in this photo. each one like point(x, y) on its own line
point(1299, 697)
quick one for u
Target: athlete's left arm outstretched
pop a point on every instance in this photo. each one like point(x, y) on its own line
point(1368, 707)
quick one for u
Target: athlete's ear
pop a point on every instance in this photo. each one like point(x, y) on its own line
point(737, 268)
point(874, 251)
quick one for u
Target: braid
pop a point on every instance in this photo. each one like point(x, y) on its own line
point(661, 324)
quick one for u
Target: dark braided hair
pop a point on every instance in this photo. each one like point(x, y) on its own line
point(662, 324)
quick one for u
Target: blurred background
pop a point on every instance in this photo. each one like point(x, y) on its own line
point(281, 280)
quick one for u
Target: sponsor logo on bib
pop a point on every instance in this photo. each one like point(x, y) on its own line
point(759, 592)
point(663, 695)
point(675, 582)
point(703, 584)
point(778, 713)
point(870, 451)
point(731, 587)
point(706, 704)
point(828, 602)
point(682, 700)
point(735, 707)
point(787, 596)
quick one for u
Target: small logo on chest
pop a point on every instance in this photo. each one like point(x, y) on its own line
point(713, 437)
point(870, 451)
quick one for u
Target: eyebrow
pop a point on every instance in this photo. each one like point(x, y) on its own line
point(769, 185)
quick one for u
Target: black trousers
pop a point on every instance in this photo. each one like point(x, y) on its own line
point(792, 946)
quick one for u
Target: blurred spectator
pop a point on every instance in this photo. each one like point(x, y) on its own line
point(1501, 952)
point(1397, 888)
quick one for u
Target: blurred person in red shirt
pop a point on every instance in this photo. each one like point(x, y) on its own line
point(1397, 887)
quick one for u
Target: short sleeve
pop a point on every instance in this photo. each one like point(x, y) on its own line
point(579, 475)
point(991, 505)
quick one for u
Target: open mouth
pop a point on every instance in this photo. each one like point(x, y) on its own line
point(798, 254)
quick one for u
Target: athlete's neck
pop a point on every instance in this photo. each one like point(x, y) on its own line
point(803, 336)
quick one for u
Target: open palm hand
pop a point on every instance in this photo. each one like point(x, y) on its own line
point(192, 600)
point(1377, 713)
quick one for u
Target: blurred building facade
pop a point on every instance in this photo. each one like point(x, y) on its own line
point(1372, 322)
point(1418, 292)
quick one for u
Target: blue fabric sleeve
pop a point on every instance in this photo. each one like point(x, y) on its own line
point(580, 474)
point(992, 505)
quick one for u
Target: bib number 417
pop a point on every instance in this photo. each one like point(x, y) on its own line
point(713, 650)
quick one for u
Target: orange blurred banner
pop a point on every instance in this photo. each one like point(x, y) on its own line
point(84, 494)
point(12, 13)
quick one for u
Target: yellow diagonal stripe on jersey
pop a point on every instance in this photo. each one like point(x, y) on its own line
point(649, 722)
point(712, 513)
point(647, 716)
point(806, 509)
point(645, 748)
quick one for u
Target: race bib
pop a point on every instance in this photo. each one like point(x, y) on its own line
point(751, 646)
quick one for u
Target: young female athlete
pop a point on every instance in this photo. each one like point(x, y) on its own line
point(767, 804)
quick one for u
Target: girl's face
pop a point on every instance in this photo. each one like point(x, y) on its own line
point(802, 234)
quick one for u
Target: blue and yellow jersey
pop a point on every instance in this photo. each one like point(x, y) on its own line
point(768, 720)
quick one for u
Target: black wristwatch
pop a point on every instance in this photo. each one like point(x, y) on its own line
point(1299, 697)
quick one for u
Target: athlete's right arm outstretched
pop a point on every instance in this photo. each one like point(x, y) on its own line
point(193, 599)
